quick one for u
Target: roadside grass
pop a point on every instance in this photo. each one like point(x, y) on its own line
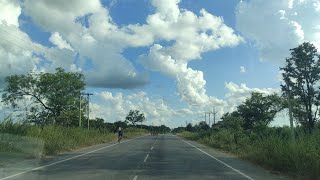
point(275, 151)
point(35, 141)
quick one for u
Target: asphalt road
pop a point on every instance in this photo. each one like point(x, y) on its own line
point(147, 157)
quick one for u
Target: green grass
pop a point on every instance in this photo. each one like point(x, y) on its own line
point(38, 141)
point(299, 159)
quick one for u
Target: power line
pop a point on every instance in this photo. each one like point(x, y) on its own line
point(34, 47)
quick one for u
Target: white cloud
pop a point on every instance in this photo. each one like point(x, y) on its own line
point(192, 35)
point(17, 51)
point(114, 107)
point(102, 41)
point(13, 59)
point(57, 40)
point(236, 94)
point(242, 69)
point(88, 29)
point(284, 25)
point(10, 12)
point(112, 3)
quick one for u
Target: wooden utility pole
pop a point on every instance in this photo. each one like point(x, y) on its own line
point(214, 115)
point(290, 111)
point(88, 108)
point(205, 117)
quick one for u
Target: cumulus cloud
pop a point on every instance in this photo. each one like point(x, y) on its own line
point(10, 11)
point(17, 51)
point(278, 25)
point(192, 35)
point(236, 94)
point(114, 107)
point(88, 30)
point(57, 40)
point(242, 69)
point(101, 41)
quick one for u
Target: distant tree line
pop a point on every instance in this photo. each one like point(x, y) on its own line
point(53, 99)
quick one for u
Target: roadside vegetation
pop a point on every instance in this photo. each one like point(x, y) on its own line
point(35, 141)
point(45, 118)
point(246, 131)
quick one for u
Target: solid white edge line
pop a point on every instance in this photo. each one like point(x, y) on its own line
point(135, 178)
point(40, 167)
point(236, 170)
point(145, 159)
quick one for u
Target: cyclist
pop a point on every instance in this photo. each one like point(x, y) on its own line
point(120, 133)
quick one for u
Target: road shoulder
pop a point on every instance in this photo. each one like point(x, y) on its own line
point(248, 168)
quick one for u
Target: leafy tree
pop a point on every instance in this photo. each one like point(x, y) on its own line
point(302, 75)
point(202, 126)
point(134, 116)
point(189, 127)
point(232, 121)
point(158, 129)
point(54, 96)
point(97, 123)
point(259, 109)
point(118, 124)
point(178, 130)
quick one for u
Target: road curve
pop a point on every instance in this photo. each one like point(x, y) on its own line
point(148, 157)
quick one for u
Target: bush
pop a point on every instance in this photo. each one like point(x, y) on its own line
point(48, 140)
point(270, 147)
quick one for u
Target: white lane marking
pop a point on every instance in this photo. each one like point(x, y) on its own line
point(135, 178)
point(154, 143)
point(145, 159)
point(40, 167)
point(236, 170)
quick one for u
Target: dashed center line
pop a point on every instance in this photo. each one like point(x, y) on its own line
point(145, 159)
point(135, 178)
point(151, 148)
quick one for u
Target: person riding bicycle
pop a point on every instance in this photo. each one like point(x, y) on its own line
point(120, 133)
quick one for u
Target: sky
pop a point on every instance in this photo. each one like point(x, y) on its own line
point(171, 59)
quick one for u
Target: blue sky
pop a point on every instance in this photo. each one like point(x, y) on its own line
point(171, 59)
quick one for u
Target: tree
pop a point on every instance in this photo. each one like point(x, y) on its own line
point(178, 130)
point(232, 121)
point(54, 96)
point(134, 116)
point(189, 127)
point(118, 124)
point(97, 123)
point(202, 126)
point(302, 74)
point(259, 109)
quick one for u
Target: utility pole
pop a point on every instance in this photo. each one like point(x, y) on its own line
point(88, 108)
point(290, 111)
point(205, 117)
point(209, 119)
point(80, 110)
point(214, 115)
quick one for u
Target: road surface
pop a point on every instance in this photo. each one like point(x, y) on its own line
point(148, 157)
